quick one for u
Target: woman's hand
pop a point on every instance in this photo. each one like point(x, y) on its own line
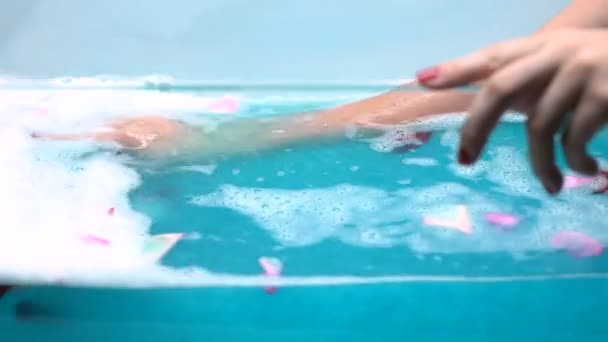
point(547, 76)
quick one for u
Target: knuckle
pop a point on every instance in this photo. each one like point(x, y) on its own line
point(493, 59)
point(496, 87)
point(585, 60)
point(599, 95)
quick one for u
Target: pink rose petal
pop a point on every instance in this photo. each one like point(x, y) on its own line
point(95, 240)
point(577, 244)
point(158, 245)
point(225, 105)
point(501, 219)
point(272, 267)
point(571, 181)
point(461, 222)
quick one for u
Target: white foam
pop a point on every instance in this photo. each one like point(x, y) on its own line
point(420, 161)
point(204, 169)
point(52, 196)
point(49, 202)
point(68, 109)
point(117, 81)
point(350, 214)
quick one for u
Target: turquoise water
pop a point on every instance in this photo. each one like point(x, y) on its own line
point(341, 208)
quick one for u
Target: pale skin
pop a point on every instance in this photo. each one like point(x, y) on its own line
point(557, 76)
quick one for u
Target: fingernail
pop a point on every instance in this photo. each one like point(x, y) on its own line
point(551, 188)
point(464, 157)
point(554, 186)
point(427, 74)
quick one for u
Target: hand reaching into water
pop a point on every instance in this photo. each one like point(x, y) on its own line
point(558, 78)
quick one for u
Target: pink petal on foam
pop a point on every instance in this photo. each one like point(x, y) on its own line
point(461, 222)
point(577, 244)
point(571, 181)
point(95, 240)
point(501, 219)
point(226, 105)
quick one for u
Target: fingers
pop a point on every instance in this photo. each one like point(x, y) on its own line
point(560, 97)
point(590, 117)
point(541, 149)
point(478, 65)
point(496, 96)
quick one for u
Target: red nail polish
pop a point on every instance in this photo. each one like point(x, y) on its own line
point(464, 157)
point(428, 74)
point(552, 189)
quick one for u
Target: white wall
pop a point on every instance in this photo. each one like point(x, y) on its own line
point(253, 39)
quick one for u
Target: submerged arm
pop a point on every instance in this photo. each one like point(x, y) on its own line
point(388, 108)
point(247, 135)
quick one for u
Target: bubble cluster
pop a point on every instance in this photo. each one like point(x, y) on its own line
point(419, 161)
point(51, 200)
point(204, 169)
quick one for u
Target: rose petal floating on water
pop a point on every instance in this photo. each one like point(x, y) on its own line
point(501, 219)
point(95, 240)
point(272, 267)
point(599, 183)
point(577, 244)
point(461, 223)
point(225, 105)
point(111, 211)
point(571, 181)
point(158, 245)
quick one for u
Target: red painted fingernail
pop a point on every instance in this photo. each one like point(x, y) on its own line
point(551, 188)
point(428, 74)
point(464, 157)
